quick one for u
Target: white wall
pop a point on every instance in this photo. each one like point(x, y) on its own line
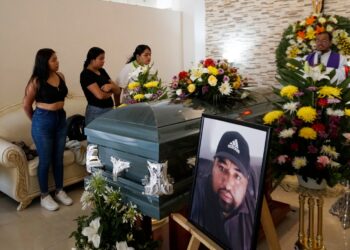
point(71, 27)
point(193, 30)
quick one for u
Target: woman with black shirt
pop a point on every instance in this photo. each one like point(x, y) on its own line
point(97, 85)
point(47, 88)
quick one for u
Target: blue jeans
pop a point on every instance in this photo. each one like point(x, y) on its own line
point(93, 112)
point(49, 130)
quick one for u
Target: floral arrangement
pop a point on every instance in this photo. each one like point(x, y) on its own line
point(299, 38)
point(145, 87)
point(214, 81)
point(311, 127)
point(112, 223)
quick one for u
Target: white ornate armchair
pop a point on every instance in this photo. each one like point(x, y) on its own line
point(18, 176)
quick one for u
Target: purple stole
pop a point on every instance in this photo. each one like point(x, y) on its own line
point(333, 60)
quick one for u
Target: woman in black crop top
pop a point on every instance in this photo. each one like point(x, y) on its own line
point(97, 85)
point(47, 89)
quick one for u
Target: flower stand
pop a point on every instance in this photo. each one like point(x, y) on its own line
point(309, 239)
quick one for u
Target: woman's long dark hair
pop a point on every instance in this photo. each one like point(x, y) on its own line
point(41, 70)
point(138, 51)
point(92, 54)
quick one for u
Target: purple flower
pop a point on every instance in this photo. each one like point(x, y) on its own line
point(333, 100)
point(159, 92)
point(226, 78)
point(174, 85)
point(131, 101)
point(154, 96)
point(174, 78)
point(297, 122)
point(205, 89)
point(282, 141)
point(183, 96)
point(299, 93)
point(312, 149)
point(221, 71)
point(312, 88)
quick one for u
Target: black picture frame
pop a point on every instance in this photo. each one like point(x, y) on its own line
point(227, 193)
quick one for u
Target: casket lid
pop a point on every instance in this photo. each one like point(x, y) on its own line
point(156, 114)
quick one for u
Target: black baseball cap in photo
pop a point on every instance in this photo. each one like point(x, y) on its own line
point(234, 147)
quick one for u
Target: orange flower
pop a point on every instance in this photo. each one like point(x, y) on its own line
point(319, 29)
point(310, 20)
point(301, 34)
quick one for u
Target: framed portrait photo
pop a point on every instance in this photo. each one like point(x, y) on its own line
point(229, 178)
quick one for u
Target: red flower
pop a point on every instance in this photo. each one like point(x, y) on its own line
point(183, 75)
point(294, 146)
point(319, 127)
point(322, 102)
point(209, 62)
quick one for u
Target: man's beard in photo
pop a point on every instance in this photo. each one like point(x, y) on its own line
point(226, 207)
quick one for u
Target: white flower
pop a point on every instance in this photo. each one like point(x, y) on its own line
point(332, 19)
point(334, 164)
point(337, 112)
point(322, 20)
point(281, 159)
point(347, 136)
point(329, 28)
point(299, 162)
point(245, 94)
point(86, 200)
point(315, 72)
point(91, 232)
point(122, 245)
point(134, 75)
point(148, 96)
point(286, 133)
point(291, 107)
point(196, 73)
point(312, 44)
point(330, 151)
point(178, 92)
point(225, 88)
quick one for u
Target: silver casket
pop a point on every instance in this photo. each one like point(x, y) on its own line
point(159, 132)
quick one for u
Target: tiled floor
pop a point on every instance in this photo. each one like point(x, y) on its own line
point(36, 229)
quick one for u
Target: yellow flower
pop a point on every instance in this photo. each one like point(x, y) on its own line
point(347, 112)
point(152, 84)
point(327, 91)
point(289, 91)
point(212, 81)
point(307, 114)
point(293, 51)
point(139, 97)
point(270, 117)
point(236, 84)
point(133, 85)
point(212, 70)
point(122, 105)
point(191, 88)
point(308, 133)
point(310, 33)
